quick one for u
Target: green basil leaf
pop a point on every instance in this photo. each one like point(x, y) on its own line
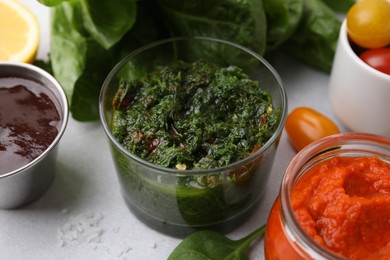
point(242, 22)
point(315, 40)
point(210, 245)
point(108, 21)
point(51, 2)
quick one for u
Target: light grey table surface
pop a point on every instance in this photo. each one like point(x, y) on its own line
point(86, 187)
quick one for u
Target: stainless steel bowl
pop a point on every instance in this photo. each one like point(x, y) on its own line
point(28, 183)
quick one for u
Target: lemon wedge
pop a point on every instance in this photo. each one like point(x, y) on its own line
point(19, 32)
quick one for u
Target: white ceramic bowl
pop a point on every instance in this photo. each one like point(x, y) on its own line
point(359, 94)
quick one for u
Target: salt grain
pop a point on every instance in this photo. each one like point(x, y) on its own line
point(82, 228)
point(86, 228)
point(116, 230)
point(61, 243)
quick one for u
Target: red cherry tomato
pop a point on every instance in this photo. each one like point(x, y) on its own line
point(305, 125)
point(379, 59)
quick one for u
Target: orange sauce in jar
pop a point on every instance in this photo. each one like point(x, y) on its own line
point(343, 204)
point(335, 206)
point(277, 245)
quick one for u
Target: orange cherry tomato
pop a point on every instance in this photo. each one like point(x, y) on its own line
point(368, 23)
point(305, 125)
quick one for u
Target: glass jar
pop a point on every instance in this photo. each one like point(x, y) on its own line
point(284, 238)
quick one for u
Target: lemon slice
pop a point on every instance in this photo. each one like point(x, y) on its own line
point(19, 32)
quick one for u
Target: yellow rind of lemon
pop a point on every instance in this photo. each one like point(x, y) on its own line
point(19, 32)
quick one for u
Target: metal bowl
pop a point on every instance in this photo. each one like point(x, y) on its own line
point(26, 184)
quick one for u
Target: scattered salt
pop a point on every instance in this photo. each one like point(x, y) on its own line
point(82, 228)
point(88, 214)
point(86, 228)
point(61, 243)
point(116, 230)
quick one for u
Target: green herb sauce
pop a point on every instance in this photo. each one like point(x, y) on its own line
point(193, 116)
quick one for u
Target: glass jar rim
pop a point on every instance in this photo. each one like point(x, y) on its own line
point(321, 150)
point(118, 66)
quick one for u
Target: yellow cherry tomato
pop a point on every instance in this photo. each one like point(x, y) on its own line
point(305, 125)
point(368, 23)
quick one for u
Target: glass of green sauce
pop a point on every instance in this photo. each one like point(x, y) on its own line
point(193, 126)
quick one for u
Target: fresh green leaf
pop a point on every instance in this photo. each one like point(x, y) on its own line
point(242, 22)
point(149, 25)
point(340, 5)
point(87, 87)
point(315, 39)
point(51, 2)
point(108, 21)
point(88, 36)
point(210, 245)
point(81, 64)
point(283, 17)
point(44, 64)
point(68, 47)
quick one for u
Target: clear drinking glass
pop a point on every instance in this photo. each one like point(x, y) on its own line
point(171, 199)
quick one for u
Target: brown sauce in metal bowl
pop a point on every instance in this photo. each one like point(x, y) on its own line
point(29, 121)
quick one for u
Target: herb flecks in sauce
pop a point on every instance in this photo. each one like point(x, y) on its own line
point(193, 116)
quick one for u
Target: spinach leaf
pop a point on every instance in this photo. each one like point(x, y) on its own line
point(80, 63)
point(68, 47)
point(148, 27)
point(242, 22)
point(51, 2)
point(44, 64)
point(315, 39)
point(283, 17)
point(108, 21)
point(209, 245)
point(339, 5)
point(98, 63)
point(113, 29)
